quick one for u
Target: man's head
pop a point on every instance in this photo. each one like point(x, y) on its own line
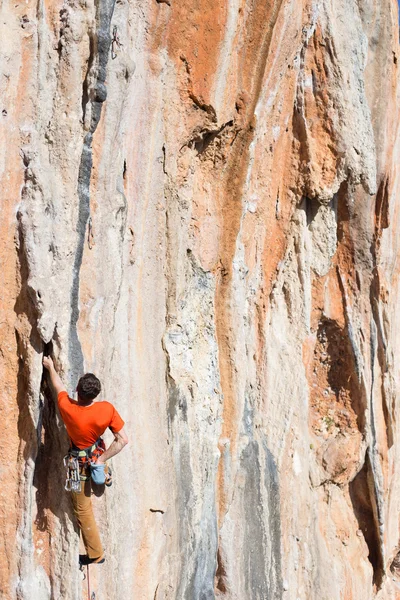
point(88, 388)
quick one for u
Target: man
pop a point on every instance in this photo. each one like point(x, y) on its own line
point(85, 421)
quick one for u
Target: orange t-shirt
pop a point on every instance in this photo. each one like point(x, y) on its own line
point(85, 424)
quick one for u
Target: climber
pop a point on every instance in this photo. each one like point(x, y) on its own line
point(85, 421)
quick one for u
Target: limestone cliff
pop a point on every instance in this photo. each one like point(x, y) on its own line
point(200, 205)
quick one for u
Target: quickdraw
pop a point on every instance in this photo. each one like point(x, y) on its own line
point(90, 237)
point(115, 43)
point(73, 481)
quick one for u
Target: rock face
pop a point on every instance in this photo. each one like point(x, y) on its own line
point(199, 204)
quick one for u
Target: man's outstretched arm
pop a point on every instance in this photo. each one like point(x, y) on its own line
point(54, 377)
point(120, 441)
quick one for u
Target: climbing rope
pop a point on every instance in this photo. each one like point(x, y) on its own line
point(93, 596)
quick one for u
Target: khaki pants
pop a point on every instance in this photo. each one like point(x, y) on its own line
point(83, 510)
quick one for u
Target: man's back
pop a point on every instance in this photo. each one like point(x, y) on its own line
point(85, 424)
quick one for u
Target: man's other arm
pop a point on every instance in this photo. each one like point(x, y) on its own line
point(120, 441)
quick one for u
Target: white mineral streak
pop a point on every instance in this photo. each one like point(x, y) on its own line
point(209, 221)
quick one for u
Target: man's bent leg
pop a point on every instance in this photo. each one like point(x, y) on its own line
point(83, 510)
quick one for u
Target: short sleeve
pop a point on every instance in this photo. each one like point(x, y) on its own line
point(63, 399)
point(116, 423)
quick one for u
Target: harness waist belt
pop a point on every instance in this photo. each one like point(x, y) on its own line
point(87, 451)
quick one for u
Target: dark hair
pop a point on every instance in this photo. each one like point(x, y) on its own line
point(88, 387)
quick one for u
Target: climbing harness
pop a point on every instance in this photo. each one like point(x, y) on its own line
point(115, 43)
point(78, 462)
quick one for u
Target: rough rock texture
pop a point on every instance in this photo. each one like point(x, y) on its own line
point(206, 216)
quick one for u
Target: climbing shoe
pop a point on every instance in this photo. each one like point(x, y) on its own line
point(85, 560)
